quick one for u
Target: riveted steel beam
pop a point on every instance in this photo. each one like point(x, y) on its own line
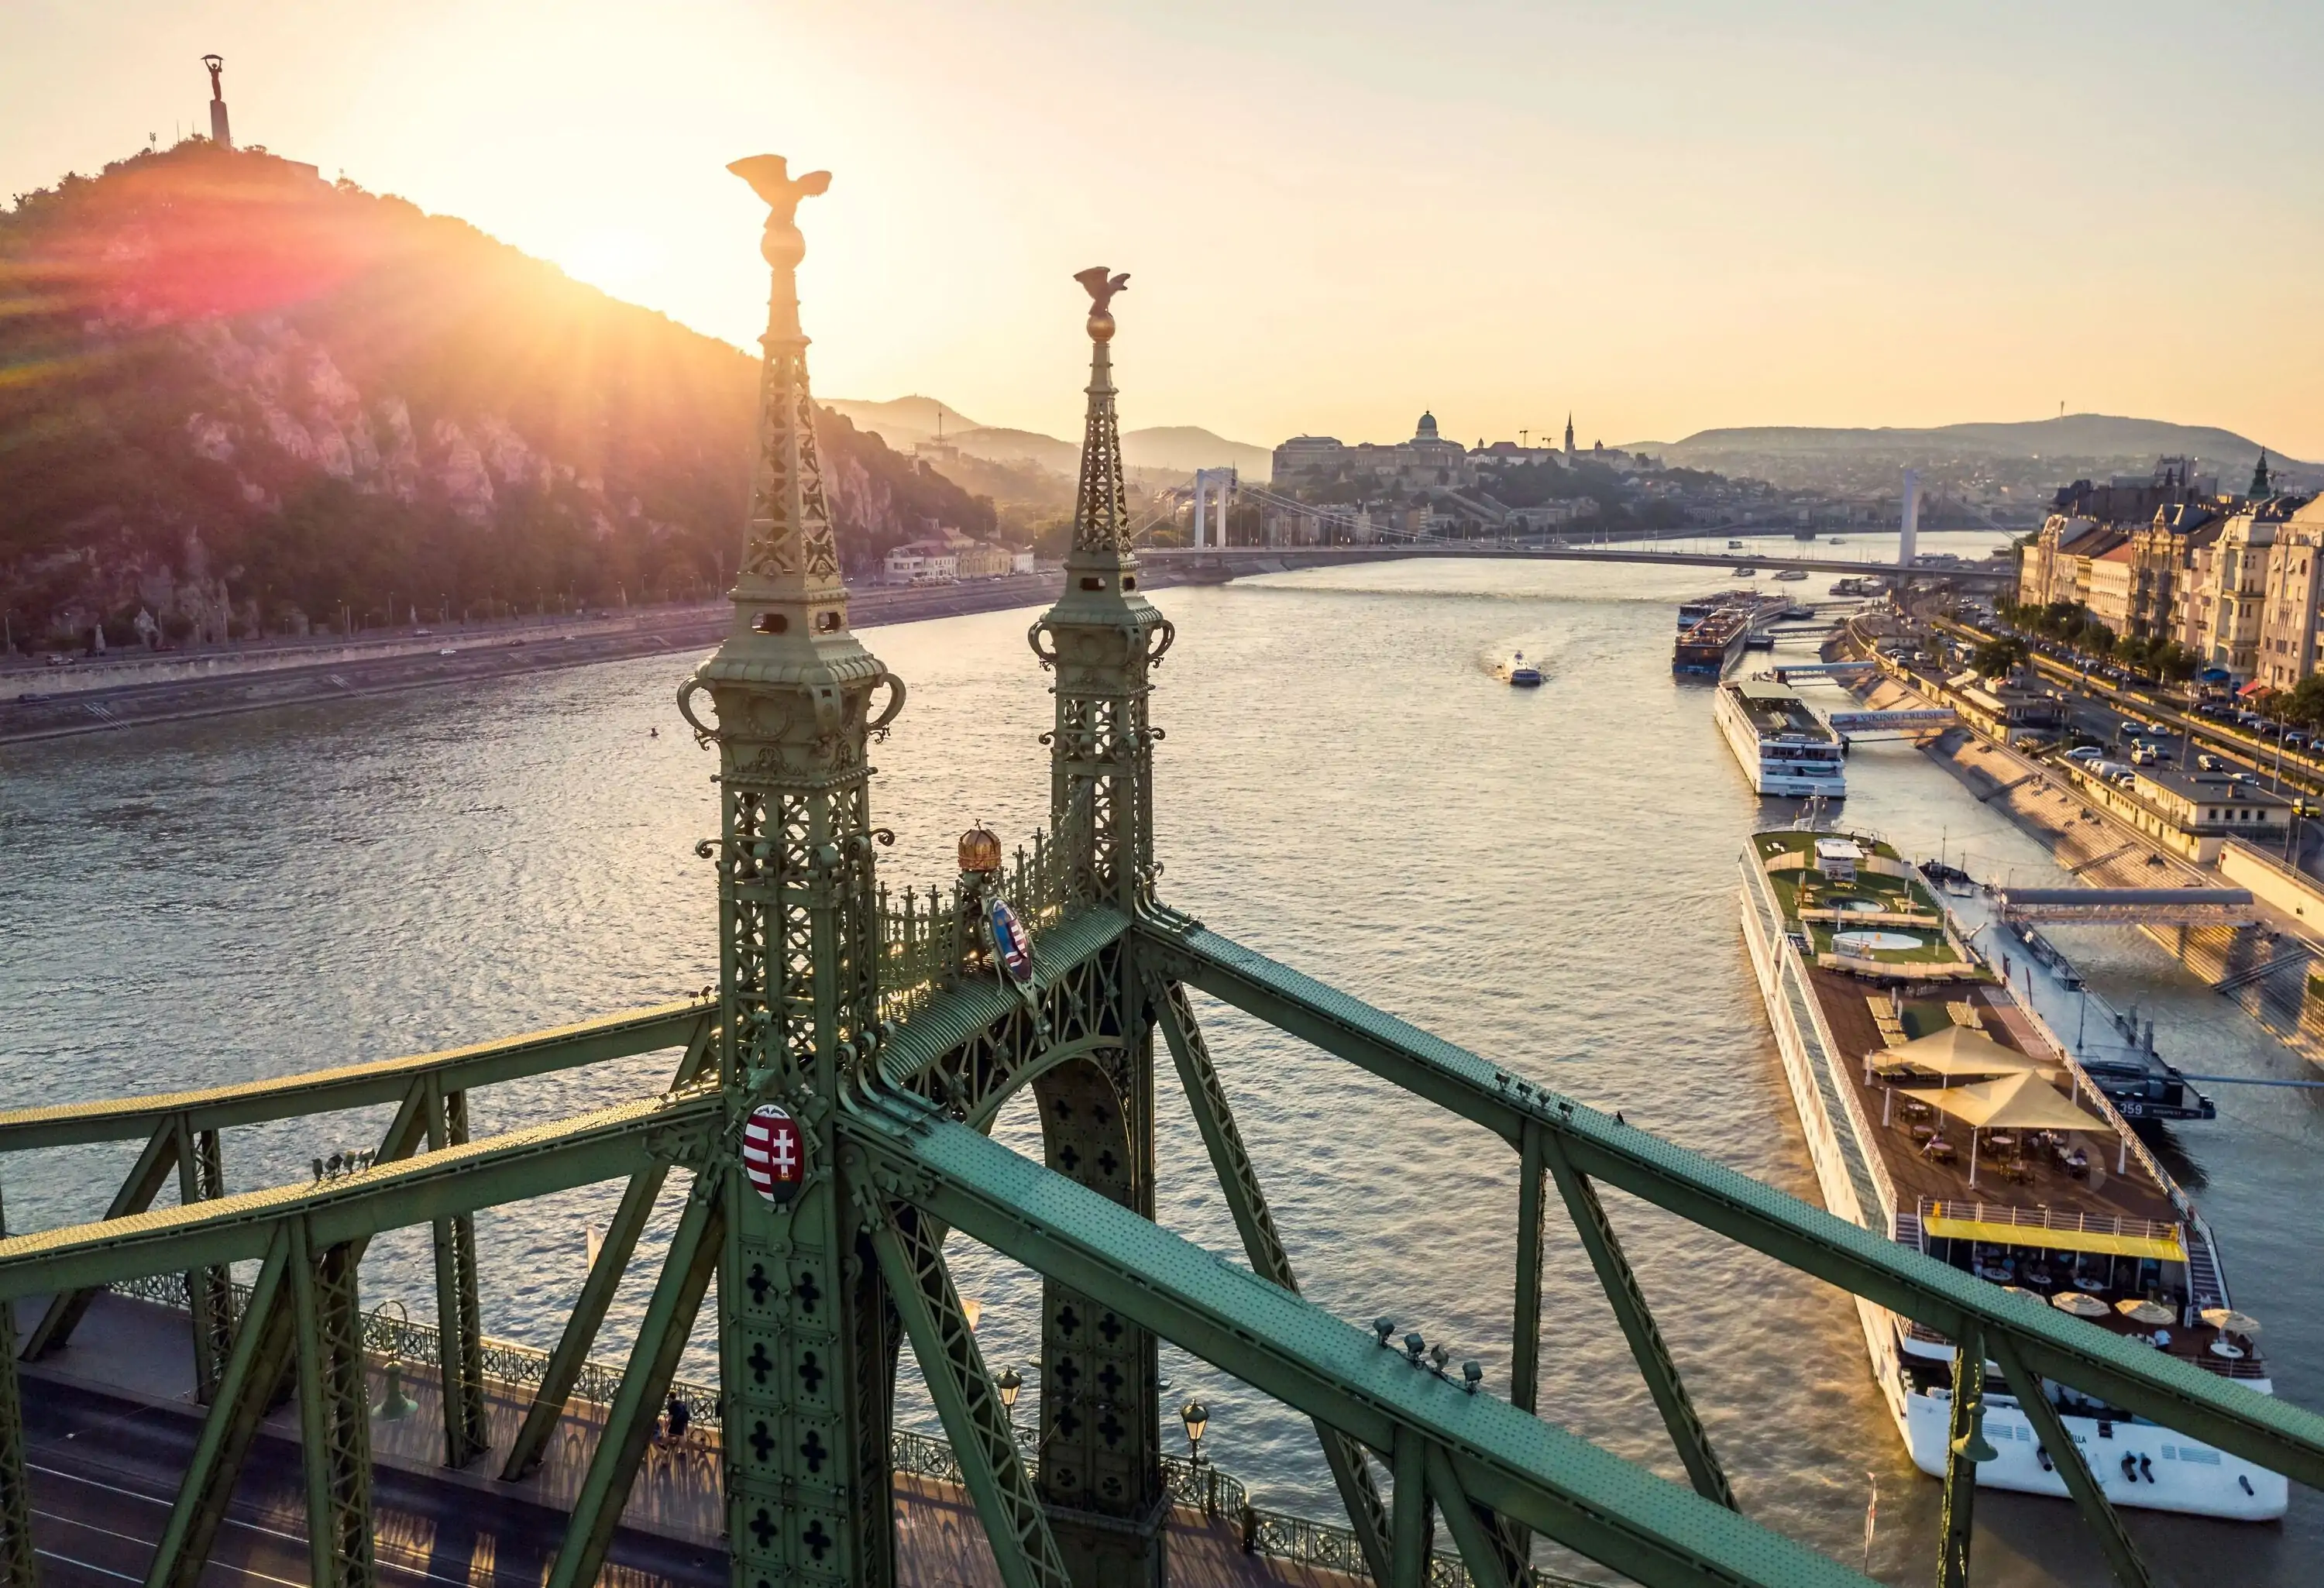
point(1408, 1530)
point(1655, 1532)
point(611, 1143)
point(1620, 1284)
point(1965, 1430)
point(209, 1291)
point(334, 1413)
point(460, 1312)
point(1206, 1097)
point(588, 1314)
point(358, 1085)
point(630, 1420)
point(1476, 1532)
point(982, 1438)
point(262, 1348)
point(2261, 1428)
point(2089, 1498)
point(146, 1177)
point(17, 1567)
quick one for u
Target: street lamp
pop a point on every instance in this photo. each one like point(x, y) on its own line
point(395, 1404)
point(1008, 1383)
point(1197, 1417)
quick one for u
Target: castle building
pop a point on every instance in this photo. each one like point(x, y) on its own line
point(1425, 460)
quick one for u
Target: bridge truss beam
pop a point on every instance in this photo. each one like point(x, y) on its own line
point(1549, 1481)
point(2262, 1428)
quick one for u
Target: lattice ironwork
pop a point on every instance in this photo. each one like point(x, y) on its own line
point(459, 1314)
point(201, 1177)
point(333, 1416)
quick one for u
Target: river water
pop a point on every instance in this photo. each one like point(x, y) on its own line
point(1547, 877)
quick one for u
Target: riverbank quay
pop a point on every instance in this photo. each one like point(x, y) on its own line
point(56, 703)
point(2267, 757)
point(2101, 850)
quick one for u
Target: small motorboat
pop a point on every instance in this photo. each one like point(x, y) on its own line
point(1523, 675)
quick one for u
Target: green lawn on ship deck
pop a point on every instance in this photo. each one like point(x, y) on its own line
point(1896, 894)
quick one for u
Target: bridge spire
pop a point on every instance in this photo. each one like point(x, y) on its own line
point(1101, 1477)
point(801, 1302)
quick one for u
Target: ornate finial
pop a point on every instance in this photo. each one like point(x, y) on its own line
point(1102, 289)
point(1101, 506)
point(770, 178)
point(789, 552)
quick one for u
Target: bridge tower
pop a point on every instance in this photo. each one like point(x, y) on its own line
point(1100, 1417)
point(807, 1331)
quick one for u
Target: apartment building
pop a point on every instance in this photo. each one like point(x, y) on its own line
point(2239, 583)
point(2289, 649)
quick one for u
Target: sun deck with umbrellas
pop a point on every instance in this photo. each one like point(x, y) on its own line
point(1992, 1149)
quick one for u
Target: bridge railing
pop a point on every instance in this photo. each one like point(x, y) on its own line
point(1206, 1487)
point(927, 941)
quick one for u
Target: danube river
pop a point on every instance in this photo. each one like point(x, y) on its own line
point(1547, 877)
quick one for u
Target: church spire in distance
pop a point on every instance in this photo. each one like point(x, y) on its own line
point(2259, 485)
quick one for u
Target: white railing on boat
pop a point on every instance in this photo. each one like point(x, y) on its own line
point(2051, 1218)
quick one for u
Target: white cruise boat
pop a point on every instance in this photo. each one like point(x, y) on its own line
point(1942, 1114)
point(1785, 748)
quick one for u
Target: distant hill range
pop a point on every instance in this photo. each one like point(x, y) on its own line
point(908, 423)
point(238, 397)
point(2102, 441)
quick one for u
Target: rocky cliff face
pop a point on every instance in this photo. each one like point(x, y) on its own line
point(235, 398)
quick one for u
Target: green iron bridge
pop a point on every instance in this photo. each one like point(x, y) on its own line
point(892, 1028)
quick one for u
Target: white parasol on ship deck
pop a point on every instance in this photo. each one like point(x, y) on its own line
point(2145, 1312)
point(2229, 1319)
point(2082, 1304)
point(2021, 1102)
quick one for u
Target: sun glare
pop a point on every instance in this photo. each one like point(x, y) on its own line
point(618, 260)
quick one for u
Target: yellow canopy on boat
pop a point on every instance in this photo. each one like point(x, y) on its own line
point(1958, 1051)
point(2021, 1102)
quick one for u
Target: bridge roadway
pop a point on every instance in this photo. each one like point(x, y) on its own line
point(110, 1429)
point(1191, 563)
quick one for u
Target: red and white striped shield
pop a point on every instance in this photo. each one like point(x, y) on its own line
point(774, 1155)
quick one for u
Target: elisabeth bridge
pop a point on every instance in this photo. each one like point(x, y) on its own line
point(828, 1114)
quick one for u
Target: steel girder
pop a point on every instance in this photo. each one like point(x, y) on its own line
point(1658, 1533)
point(136, 1193)
point(334, 1412)
point(17, 1567)
point(1263, 1247)
point(2261, 1428)
point(358, 1085)
point(588, 1314)
point(609, 1144)
point(1620, 1284)
point(1100, 1413)
point(2089, 1498)
point(1965, 1429)
point(209, 1291)
point(460, 1312)
point(983, 1437)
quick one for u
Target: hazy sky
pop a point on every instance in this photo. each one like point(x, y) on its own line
point(1664, 216)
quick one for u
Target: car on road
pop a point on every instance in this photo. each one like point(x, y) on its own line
point(2144, 754)
point(2210, 763)
point(2085, 752)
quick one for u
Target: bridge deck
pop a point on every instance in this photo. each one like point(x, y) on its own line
point(104, 1486)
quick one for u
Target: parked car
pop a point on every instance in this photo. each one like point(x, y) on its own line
point(2145, 755)
point(2085, 752)
point(2210, 763)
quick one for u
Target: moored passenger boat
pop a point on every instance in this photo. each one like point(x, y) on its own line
point(1783, 746)
point(1942, 1114)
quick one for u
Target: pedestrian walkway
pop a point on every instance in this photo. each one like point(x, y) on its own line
point(141, 1352)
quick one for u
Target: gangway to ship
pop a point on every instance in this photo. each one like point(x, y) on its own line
point(1791, 670)
point(1915, 720)
point(2131, 907)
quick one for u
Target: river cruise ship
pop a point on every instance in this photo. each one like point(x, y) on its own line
point(1784, 747)
point(1944, 1115)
